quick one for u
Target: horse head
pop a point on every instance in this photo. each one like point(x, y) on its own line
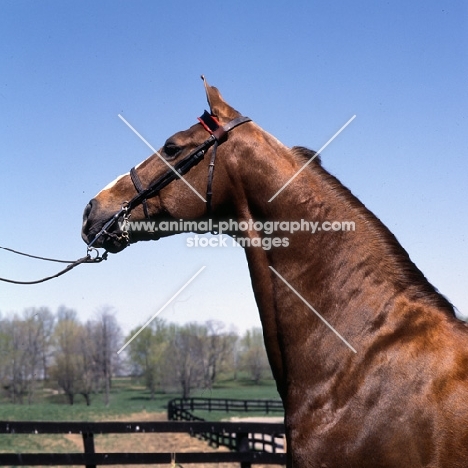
point(167, 186)
point(394, 399)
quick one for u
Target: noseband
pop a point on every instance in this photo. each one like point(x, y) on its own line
point(218, 135)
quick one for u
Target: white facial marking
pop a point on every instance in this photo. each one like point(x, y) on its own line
point(139, 164)
point(111, 184)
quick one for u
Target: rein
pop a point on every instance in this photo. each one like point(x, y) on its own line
point(218, 136)
point(71, 264)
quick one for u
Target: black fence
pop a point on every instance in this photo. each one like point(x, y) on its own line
point(237, 432)
point(268, 439)
point(222, 404)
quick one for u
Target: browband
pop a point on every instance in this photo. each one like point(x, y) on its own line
point(211, 125)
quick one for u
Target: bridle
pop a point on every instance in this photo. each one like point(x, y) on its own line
point(218, 134)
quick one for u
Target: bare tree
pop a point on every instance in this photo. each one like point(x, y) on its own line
point(87, 384)
point(147, 352)
point(67, 366)
point(107, 339)
point(184, 358)
point(4, 352)
point(15, 365)
point(253, 354)
point(47, 322)
point(218, 348)
point(21, 347)
point(33, 349)
point(80, 358)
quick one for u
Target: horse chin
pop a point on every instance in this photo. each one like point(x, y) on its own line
point(114, 246)
point(112, 243)
point(116, 243)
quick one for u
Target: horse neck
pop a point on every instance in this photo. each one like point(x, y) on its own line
point(360, 282)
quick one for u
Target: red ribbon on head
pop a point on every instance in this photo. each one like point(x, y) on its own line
point(209, 122)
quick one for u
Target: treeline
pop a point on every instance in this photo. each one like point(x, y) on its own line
point(41, 349)
point(76, 358)
point(193, 356)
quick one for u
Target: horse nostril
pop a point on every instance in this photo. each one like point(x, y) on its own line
point(87, 213)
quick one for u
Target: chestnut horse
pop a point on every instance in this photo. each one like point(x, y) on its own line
point(393, 392)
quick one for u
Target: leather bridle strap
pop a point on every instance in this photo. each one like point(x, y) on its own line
point(218, 135)
point(181, 168)
point(139, 188)
point(211, 124)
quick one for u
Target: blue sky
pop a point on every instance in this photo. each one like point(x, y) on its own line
point(300, 69)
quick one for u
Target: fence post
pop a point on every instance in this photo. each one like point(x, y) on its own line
point(88, 442)
point(242, 445)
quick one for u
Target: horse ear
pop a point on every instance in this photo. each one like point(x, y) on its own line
point(218, 107)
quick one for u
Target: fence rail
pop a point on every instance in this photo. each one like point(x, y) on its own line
point(243, 453)
point(225, 405)
point(265, 440)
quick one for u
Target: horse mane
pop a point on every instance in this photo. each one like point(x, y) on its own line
point(306, 154)
point(408, 275)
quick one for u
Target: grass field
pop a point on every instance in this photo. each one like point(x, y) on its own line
point(130, 401)
point(127, 397)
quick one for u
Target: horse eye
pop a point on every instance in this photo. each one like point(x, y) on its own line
point(171, 150)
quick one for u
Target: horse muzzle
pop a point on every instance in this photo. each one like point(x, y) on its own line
point(101, 230)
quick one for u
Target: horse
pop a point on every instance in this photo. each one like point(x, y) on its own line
point(390, 387)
